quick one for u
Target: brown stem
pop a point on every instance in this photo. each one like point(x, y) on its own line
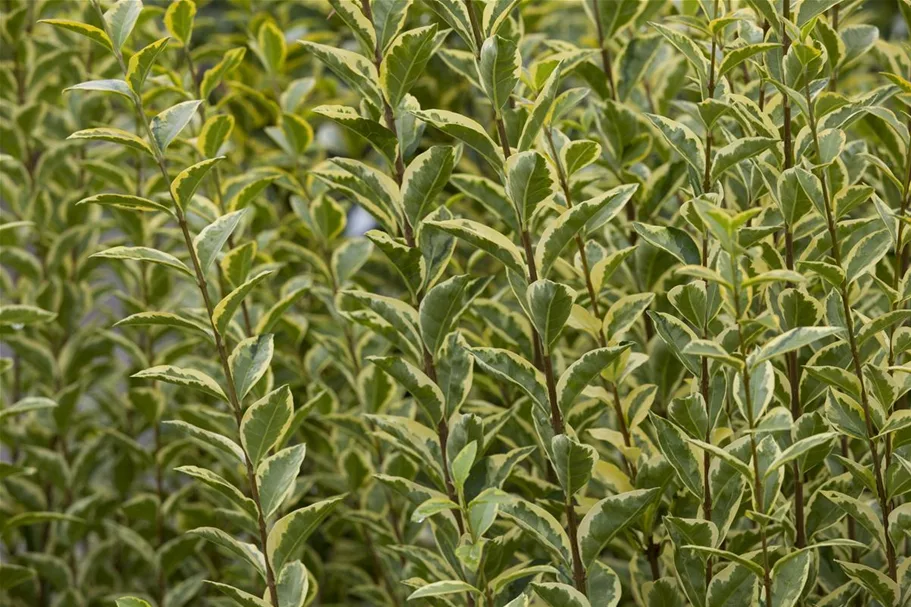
point(605, 52)
point(408, 230)
point(757, 480)
point(884, 504)
point(222, 354)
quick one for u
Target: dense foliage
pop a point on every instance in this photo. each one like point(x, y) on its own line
point(455, 303)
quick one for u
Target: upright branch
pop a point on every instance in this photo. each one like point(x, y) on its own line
point(543, 358)
point(857, 363)
point(592, 295)
point(704, 389)
point(754, 452)
point(233, 399)
point(408, 230)
point(791, 360)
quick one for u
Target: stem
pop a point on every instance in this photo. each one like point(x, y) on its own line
point(757, 481)
point(704, 386)
point(541, 353)
point(605, 52)
point(429, 369)
point(884, 504)
point(219, 198)
point(833, 81)
point(593, 297)
point(219, 341)
point(793, 365)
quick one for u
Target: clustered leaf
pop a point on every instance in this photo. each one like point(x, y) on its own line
point(480, 303)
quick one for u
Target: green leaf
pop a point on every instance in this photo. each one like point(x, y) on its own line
point(274, 314)
point(271, 43)
point(19, 314)
point(187, 181)
point(672, 240)
point(541, 111)
point(540, 524)
point(736, 56)
point(573, 463)
point(167, 125)
point(424, 180)
point(178, 20)
point(244, 599)
point(118, 87)
point(860, 512)
point(624, 313)
point(126, 202)
point(466, 130)
point(353, 69)
point(798, 449)
point(462, 463)
point(405, 61)
point(549, 305)
point(529, 182)
point(615, 16)
point(212, 238)
point(91, 32)
point(495, 14)
point(248, 552)
point(378, 135)
point(866, 254)
point(789, 575)
point(113, 135)
point(609, 517)
point(789, 341)
point(755, 568)
point(288, 535)
point(265, 421)
point(208, 437)
point(573, 223)
point(250, 361)
point(416, 382)
point(351, 13)
point(576, 155)
point(673, 443)
point(141, 62)
point(275, 476)
point(388, 19)
point(442, 306)
point(222, 486)
point(485, 238)
point(225, 309)
point(213, 76)
point(26, 405)
point(145, 254)
point(214, 133)
point(443, 588)
point(248, 193)
point(516, 370)
point(879, 585)
point(179, 376)
point(131, 601)
point(120, 20)
point(683, 140)
point(454, 13)
point(499, 66)
point(293, 585)
point(582, 372)
point(163, 319)
point(560, 595)
point(738, 151)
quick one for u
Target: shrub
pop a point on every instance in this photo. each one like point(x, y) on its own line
point(627, 324)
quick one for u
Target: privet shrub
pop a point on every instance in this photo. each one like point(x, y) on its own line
point(625, 326)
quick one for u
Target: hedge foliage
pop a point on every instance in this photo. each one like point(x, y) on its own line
point(455, 303)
